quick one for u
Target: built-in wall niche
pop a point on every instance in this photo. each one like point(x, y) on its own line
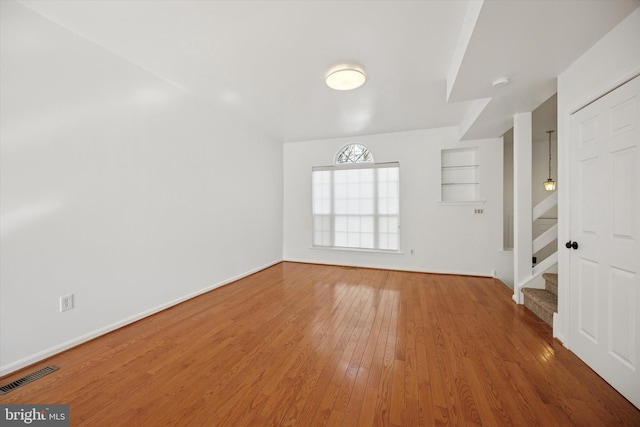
point(460, 177)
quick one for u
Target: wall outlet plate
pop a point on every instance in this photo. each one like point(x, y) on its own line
point(66, 303)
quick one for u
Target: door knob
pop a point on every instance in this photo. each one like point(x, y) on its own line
point(571, 244)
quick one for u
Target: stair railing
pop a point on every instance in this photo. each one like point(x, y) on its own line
point(545, 205)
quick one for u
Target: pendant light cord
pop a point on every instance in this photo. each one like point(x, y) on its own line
point(549, 132)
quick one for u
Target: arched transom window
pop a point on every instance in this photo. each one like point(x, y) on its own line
point(354, 153)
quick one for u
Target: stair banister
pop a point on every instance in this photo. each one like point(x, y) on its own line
point(545, 238)
point(545, 205)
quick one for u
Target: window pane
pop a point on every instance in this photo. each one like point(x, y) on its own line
point(367, 224)
point(322, 230)
point(321, 176)
point(326, 238)
point(353, 240)
point(393, 224)
point(383, 191)
point(383, 206)
point(340, 176)
point(383, 224)
point(366, 207)
point(321, 199)
point(354, 223)
point(393, 242)
point(367, 241)
point(353, 190)
point(366, 175)
point(388, 206)
point(322, 238)
point(353, 206)
point(367, 190)
point(356, 208)
point(341, 206)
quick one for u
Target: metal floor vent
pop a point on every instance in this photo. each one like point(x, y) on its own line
point(27, 379)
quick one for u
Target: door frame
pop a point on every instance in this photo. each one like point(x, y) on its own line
point(562, 320)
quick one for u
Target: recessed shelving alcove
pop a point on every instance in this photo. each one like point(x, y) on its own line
point(459, 175)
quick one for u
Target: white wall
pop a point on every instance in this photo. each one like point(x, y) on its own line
point(507, 194)
point(445, 238)
point(613, 60)
point(117, 187)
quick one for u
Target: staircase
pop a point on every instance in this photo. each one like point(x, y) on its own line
point(543, 302)
point(532, 283)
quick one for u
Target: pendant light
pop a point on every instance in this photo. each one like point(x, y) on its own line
point(550, 184)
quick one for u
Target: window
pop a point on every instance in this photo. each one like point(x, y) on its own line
point(356, 204)
point(354, 153)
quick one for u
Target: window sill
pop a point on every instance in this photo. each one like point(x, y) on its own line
point(356, 250)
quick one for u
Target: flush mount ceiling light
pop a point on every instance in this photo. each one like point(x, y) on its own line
point(346, 79)
point(502, 81)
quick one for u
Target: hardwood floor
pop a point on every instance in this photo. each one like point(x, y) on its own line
point(308, 345)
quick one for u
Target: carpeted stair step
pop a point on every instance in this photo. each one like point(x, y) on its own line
point(542, 303)
point(551, 282)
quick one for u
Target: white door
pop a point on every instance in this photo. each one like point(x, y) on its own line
point(605, 227)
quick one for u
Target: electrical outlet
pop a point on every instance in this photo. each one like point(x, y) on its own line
point(66, 303)
point(478, 211)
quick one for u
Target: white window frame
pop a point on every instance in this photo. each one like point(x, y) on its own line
point(324, 217)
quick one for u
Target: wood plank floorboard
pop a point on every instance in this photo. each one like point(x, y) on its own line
point(312, 345)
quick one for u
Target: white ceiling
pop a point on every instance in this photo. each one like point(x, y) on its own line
point(265, 61)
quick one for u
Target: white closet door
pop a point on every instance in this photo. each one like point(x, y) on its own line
point(605, 225)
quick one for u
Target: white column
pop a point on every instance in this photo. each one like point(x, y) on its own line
point(522, 205)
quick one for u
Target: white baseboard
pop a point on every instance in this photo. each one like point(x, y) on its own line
point(409, 270)
point(515, 298)
point(37, 357)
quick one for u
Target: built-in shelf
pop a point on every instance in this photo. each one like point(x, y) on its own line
point(459, 175)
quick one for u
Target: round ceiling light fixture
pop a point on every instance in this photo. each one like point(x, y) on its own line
point(346, 78)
